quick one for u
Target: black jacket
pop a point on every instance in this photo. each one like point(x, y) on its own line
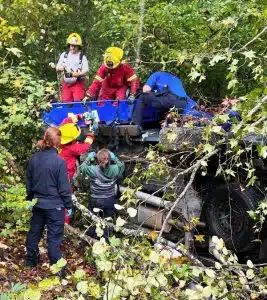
point(47, 180)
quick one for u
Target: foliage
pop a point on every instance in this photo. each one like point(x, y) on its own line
point(15, 289)
point(217, 48)
point(15, 210)
point(203, 41)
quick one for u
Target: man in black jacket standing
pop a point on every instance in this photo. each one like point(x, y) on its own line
point(47, 182)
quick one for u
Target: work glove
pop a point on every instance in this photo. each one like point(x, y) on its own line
point(91, 156)
point(85, 100)
point(69, 212)
point(112, 156)
point(130, 99)
point(87, 97)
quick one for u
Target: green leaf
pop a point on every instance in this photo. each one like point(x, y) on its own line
point(79, 274)
point(120, 222)
point(232, 83)
point(17, 287)
point(132, 212)
point(249, 54)
point(32, 294)
point(208, 148)
point(210, 273)
point(217, 58)
point(230, 172)
point(154, 257)
point(17, 52)
point(82, 287)
point(114, 242)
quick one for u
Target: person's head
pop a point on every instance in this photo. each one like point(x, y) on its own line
point(103, 158)
point(51, 139)
point(113, 57)
point(69, 133)
point(74, 42)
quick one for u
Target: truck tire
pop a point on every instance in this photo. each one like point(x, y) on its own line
point(226, 209)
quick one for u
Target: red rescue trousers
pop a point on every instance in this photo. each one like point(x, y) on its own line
point(73, 92)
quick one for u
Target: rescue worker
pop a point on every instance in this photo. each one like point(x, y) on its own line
point(74, 64)
point(162, 90)
point(113, 78)
point(69, 148)
point(104, 176)
point(47, 181)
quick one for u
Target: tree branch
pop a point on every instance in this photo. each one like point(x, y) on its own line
point(195, 167)
point(128, 232)
point(251, 41)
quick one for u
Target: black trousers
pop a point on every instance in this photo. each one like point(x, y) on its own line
point(163, 101)
point(107, 209)
point(54, 219)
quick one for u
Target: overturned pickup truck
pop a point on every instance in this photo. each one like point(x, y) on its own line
point(221, 206)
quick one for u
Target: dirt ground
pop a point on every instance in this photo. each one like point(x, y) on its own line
point(12, 261)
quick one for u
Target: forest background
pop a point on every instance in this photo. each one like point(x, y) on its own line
point(217, 48)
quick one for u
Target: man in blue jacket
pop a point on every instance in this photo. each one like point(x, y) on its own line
point(163, 91)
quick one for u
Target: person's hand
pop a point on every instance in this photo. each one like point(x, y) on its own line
point(69, 212)
point(90, 138)
point(130, 99)
point(87, 97)
point(146, 89)
point(112, 156)
point(75, 74)
point(91, 156)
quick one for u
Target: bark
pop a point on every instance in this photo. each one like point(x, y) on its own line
point(78, 234)
point(177, 139)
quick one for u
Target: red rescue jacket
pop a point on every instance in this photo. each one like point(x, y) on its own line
point(121, 76)
point(70, 152)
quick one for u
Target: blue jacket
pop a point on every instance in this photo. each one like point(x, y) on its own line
point(47, 180)
point(159, 81)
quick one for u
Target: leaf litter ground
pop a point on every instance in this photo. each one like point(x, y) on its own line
point(12, 262)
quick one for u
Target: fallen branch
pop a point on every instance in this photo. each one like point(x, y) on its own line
point(185, 172)
point(195, 167)
point(129, 232)
point(77, 233)
point(95, 218)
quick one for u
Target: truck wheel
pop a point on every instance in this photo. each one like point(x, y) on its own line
point(226, 215)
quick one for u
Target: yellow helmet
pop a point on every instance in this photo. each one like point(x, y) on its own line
point(74, 39)
point(69, 132)
point(113, 55)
